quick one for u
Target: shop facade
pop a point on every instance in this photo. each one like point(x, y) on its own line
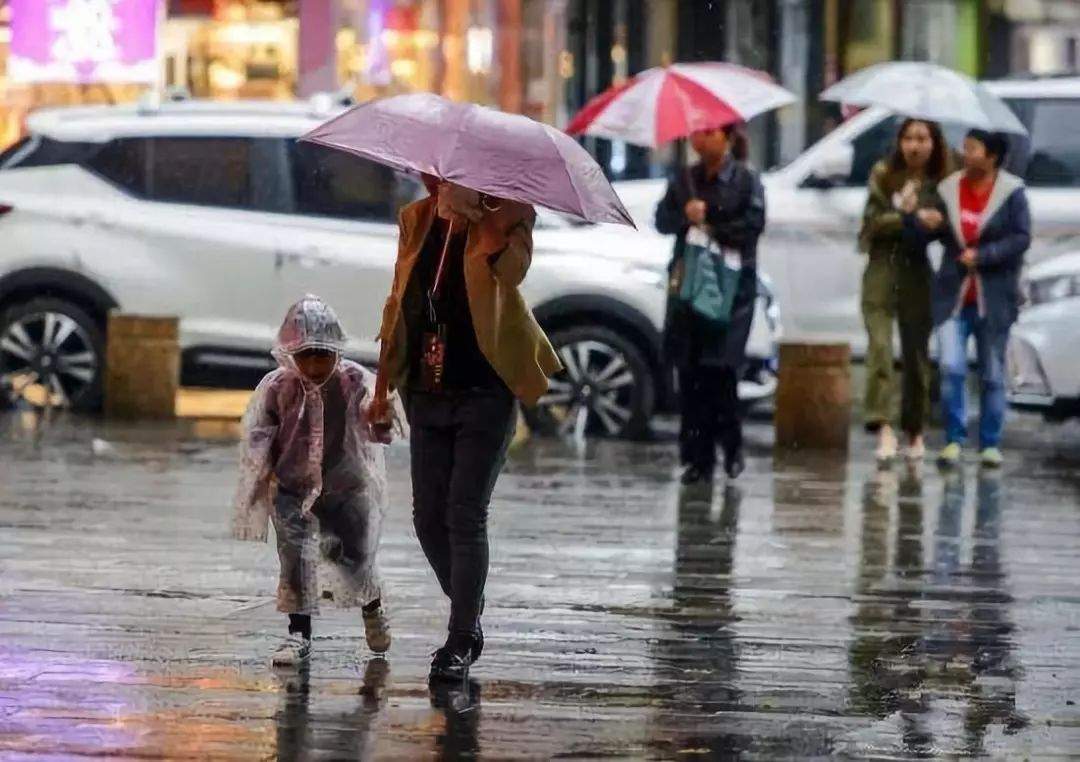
point(1035, 37)
point(510, 54)
point(546, 58)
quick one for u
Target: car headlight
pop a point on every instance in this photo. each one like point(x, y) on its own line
point(1026, 374)
point(1053, 289)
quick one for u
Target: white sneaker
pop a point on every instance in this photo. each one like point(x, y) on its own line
point(887, 445)
point(991, 457)
point(295, 650)
point(377, 630)
point(916, 450)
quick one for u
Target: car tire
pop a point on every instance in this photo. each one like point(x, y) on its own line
point(52, 353)
point(606, 387)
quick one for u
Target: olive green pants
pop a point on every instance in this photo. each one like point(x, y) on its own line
point(896, 287)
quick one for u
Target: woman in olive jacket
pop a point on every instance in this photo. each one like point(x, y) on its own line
point(897, 281)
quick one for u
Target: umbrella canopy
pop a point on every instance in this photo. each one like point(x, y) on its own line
point(502, 155)
point(669, 102)
point(926, 91)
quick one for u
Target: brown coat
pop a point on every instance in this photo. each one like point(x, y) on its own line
point(498, 251)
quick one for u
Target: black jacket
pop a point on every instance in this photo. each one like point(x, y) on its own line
point(735, 215)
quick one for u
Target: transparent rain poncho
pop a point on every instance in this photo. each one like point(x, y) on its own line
point(283, 437)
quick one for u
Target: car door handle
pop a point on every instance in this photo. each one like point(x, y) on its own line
point(102, 221)
point(308, 258)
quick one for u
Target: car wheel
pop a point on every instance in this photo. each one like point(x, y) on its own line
point(605, 387)
point(51, 354)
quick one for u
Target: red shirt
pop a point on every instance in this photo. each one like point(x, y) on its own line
point(972, 205)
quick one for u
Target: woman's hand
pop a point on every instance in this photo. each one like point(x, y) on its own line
point(695, 211)
point(458, 204)
point(378, 420)
point(909, 197)
point(969, 258)
point(930, 219)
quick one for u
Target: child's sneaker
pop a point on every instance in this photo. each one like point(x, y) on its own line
point(950, 456)
point(991, 457)
point(294, 651)
point(377, 630)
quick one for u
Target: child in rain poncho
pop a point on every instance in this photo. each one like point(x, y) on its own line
point(312, 463)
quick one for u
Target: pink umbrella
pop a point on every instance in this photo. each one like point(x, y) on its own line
point(669, 102)
point(502, 155)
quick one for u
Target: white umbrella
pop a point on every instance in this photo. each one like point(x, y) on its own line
point(926, 91)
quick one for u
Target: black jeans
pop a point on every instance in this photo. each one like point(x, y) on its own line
point(458, 446)
point(710, 412)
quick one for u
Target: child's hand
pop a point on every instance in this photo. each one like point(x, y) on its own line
point(382, 433)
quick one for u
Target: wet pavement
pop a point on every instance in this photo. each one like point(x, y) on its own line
point(820, 607)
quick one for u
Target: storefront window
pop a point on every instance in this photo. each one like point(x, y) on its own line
point(867, 29)
point(241, 50)
point(942, 31)
point(457, 48)
point(546, 63)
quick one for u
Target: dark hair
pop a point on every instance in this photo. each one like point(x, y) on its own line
point(430, 182)
point(938, 163)
point(996, 144)
point(738, 142)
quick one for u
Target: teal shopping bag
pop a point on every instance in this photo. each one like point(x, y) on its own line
point(710, 279)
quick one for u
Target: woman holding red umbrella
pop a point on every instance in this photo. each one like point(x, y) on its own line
point(718, 206)
point(722, 199)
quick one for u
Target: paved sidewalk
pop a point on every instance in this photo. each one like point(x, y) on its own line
point(818, 608)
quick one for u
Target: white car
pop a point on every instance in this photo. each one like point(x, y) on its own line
point(214, 213)
point(815, 204)
point(1043, 361)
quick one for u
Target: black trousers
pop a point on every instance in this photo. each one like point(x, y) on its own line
point(710, 414)
point(458, 446)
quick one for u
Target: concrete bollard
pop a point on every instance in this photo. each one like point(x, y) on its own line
point(142, 374)
point(813, 396)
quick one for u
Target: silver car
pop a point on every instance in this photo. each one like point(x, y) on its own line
point(1043, 361)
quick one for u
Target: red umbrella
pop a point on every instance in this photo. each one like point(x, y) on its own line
point(670, 102)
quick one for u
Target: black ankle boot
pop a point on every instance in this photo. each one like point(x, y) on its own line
point(695, 474)
point(452, 661)
point(734, 464)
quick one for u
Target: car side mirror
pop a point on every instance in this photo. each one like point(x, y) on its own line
point(832, 166)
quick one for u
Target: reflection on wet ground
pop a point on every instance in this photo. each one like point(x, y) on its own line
point(820, 607)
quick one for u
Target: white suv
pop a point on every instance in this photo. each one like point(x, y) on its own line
point(214, 213)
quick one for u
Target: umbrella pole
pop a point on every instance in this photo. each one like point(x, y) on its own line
point(684, 160)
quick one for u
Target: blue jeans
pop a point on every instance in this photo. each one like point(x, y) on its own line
point(953, 337)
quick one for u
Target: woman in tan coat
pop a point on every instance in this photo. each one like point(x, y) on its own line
point(461, 345)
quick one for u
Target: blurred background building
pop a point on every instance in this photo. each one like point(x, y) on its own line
point(544, 58)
